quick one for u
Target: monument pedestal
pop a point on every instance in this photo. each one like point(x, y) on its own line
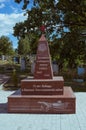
point(43, 93)
point(32, 86)
point(58, 104)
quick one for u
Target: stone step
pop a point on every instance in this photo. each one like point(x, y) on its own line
point(42, 87)
point(48, 104)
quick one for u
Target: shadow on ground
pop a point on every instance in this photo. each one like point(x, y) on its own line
point(3, 108)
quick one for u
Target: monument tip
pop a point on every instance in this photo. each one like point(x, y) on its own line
point(42, 28)
point(42, 38)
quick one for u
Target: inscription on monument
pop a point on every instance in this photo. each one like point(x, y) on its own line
point(54, 86)
point(36, 89)
point(43, 68)
point(42, 86)
point(42, 47)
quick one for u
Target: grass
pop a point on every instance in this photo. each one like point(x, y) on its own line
point(76, 86)
point(8, 68)
point(15, 79)
point(69, 77)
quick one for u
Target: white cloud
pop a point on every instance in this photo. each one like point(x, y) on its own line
point(2, 0)
point(7, 21)
point(15, 10)
point(2, 6)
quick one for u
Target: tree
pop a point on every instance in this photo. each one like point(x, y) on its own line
point(6, 46)
point(68, 13)
point(25, 2)
point(41, 13)
point(64, 21)
point(24, 46)
point(74, 17)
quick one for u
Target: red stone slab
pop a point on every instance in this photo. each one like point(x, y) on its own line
point(44, 93)
point(42, 87)
point(43, 67)
point(65, 103)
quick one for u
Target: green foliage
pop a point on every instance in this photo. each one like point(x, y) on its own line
point(65, 22)
point(15, 78)
point(25, 3)
point(19, 30)
point(6, 46)
point(24, 46)
point(39, 14)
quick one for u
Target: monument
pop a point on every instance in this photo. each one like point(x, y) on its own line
point(42, 93)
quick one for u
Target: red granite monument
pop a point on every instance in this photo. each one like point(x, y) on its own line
point(42, 93)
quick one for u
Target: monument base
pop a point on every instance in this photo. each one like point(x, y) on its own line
point(31, 86)
point(47, 104)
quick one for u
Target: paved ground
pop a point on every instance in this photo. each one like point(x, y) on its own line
point(43, 121)
point(3, 78)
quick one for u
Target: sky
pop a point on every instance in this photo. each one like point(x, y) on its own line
point(10, 14)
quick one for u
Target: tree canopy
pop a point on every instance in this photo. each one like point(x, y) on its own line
point(65, 27)
point(6, 47)
point(23, 46)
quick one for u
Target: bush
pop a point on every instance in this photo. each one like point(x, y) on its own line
point(15, 78)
